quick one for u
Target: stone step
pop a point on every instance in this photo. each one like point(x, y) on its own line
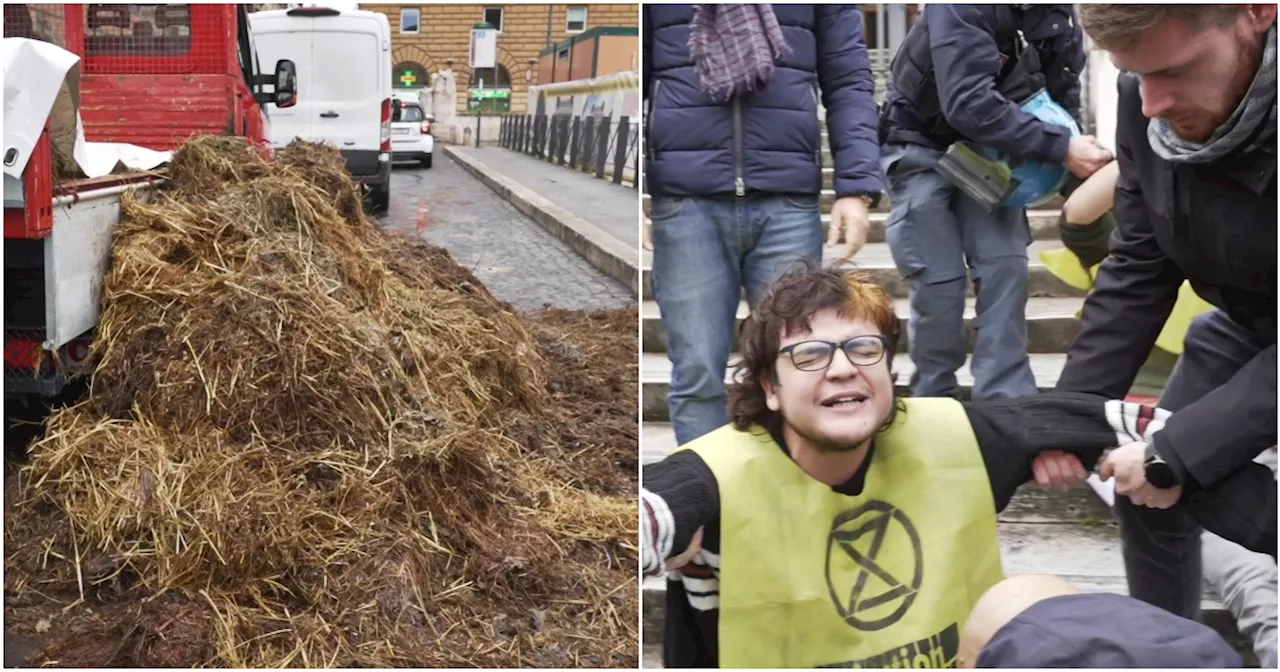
point(655, 379)
point(1051, 324)
point(651, 656)
point(1031, 504)
point(1043, 223)
point(1086, 555)
point(1049, 209)
point(876, 259)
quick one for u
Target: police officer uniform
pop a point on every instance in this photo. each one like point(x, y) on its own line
point(961, 75)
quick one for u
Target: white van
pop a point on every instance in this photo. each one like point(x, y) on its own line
point(343, 60)
point(411, 138)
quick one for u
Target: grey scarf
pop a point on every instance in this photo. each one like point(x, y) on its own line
point(1253, 122)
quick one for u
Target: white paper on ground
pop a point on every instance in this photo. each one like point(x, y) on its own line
point(1106, 490)
point(33, 73)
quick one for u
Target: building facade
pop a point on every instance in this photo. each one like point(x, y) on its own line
point(426, 39)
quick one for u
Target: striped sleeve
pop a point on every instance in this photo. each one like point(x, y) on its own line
point(657, 529)
point(1134, 422)
point(678, 495)
point(701, 581)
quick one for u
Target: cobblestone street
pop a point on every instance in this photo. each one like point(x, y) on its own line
point(514, 257)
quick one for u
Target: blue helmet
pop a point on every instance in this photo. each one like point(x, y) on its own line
point(1037, 181)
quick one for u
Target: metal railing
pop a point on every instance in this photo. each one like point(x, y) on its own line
point(590, 144)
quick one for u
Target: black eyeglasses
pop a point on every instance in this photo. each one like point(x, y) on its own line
point(817, 355)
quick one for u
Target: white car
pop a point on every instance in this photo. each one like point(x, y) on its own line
point(411, 138)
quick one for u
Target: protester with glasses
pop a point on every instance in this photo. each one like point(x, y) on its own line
point(831, 523)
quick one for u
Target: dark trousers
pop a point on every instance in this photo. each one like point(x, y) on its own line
point(1162, 553)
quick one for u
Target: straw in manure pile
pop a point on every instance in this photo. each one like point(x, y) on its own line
point(308, 443)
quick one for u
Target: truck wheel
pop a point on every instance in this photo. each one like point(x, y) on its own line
point(381, 198)
point(426, 161)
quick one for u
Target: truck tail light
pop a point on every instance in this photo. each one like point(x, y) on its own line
point(386, 125)
point(22, 353)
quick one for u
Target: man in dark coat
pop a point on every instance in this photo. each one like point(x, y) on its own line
point(1196, 200)
point(734, 167)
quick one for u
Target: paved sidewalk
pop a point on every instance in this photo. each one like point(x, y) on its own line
point(597, 219)
point(614, 208)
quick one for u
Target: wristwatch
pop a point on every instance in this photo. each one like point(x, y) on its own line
point(1158, 472)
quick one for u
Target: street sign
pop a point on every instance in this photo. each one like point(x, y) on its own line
point(484, 46)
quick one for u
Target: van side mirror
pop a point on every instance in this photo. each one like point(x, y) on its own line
point(286, 94)
point(396, 109)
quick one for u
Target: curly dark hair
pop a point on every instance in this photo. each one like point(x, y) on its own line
point(786, 307)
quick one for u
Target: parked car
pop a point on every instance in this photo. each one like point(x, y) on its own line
point(411, 138)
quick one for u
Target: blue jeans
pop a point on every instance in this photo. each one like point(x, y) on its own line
point(705, 249)
point(934, 231)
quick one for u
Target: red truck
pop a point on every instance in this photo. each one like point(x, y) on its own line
point(151, 75)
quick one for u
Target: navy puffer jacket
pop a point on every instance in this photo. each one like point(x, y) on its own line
point(691, 139)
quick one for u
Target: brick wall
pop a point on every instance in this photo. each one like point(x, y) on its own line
point(446, 32)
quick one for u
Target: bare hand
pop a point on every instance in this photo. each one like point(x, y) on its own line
point(849, 215)
point(648, 234)
point(695, 547)
point(1085, 156)
point(1058, 470)
point(1126, 464)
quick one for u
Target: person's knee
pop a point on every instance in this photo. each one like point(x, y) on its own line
point(1007, 271)
point(948, 294)
point(1172, 524)
point(1203, 330)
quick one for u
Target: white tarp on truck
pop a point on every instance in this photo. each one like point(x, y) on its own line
point(33, 73)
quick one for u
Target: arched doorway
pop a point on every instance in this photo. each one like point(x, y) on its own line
point(490, 90)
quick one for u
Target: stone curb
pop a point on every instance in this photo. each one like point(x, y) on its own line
point(603, 251)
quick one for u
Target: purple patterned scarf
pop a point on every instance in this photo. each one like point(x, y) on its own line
point(734, 47)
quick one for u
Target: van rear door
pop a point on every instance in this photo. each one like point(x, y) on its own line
point(348, 89)
point(281, 37)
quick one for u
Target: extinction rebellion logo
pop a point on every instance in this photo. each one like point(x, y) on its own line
point(872, 592)
point(868, 595)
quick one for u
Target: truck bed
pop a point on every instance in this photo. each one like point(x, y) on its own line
point(158, 112)
point(81, 186)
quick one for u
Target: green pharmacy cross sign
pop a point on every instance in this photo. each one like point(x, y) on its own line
point(408, 78)
point(489, 101)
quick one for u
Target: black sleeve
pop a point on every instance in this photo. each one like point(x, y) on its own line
point(1226, 428)
point(849, 96)
point(1241, 508)
point(1137, 284)
point(1067, 61)
point(1011, 433)
point(966, 63)
point(678, 496)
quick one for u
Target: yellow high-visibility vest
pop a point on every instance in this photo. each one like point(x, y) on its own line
point(811, 578)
